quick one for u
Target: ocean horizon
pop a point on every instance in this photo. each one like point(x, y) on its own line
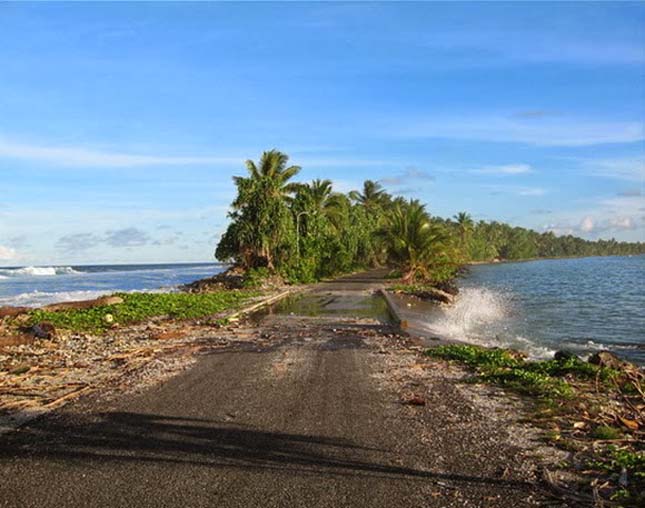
point(34, 286)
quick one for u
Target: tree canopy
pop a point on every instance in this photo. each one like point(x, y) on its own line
point(306, 231)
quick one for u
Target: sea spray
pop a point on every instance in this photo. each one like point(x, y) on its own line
point(483, 316)
point(475, 310)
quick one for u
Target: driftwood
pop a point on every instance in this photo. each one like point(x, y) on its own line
point(84, 304)
point(559, 491)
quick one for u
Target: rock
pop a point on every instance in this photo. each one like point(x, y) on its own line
point(415, 400)
point(43, 330)
point(563, 355)
point(607, 359)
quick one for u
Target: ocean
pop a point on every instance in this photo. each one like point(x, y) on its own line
point(34, 286)
point(582, 305)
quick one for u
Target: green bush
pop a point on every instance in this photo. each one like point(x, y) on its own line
point(255, 277)
point(140, 306)
point(475, 356)
point(503, 367)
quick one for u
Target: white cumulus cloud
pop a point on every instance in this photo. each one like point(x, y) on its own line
point(7, 253)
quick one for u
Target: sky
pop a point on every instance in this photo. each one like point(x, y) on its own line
point(122, 124)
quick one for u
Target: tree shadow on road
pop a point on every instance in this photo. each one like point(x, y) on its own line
point(145, 438)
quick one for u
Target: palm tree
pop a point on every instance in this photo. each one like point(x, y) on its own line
point(416, 245)
point(272, 173)
point(260, 211)
point(372, 197)
point(465, 226)
point(318, 198)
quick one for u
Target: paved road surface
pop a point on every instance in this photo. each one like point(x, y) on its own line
point(301, 420)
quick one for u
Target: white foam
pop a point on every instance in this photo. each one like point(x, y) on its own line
point(39, 298)
point(37, 271)
point(473, 309)
point(479, 316)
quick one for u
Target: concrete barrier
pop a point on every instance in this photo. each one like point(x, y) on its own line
point(394, 309)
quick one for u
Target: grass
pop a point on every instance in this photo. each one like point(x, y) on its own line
point(137, 307)
point(503, 367)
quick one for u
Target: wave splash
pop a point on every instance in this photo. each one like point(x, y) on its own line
point(474, 310)
point(37, 271)
point(483, 317)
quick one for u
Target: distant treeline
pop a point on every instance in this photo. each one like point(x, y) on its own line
point(305, 232)
point(486, 241)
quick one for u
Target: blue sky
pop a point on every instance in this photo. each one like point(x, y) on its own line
point(122, 124)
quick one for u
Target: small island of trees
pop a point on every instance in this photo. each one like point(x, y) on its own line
point(307, 231)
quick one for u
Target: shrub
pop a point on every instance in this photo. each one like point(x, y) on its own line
point(139, 306)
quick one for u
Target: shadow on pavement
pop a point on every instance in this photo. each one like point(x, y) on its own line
point(132, 437)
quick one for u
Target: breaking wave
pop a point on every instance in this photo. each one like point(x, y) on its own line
point(39, 298)
point(37, 271)
point(482, 316)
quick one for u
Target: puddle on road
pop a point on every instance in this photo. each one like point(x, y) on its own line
point(333, 304)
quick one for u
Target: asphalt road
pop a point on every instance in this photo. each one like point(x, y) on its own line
point(300, 422)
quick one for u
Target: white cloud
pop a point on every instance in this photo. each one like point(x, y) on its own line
point(7, 253)
point(80, 156)
point(608, 217)
point(621, 205)
point(410, 173)
point(342, 162)
point(587, 225)
point(505, 169)
point(78, 242)
point(625, 168)
point(622, 223)
point(127, 237)
point(543, 131)
point(518, 190)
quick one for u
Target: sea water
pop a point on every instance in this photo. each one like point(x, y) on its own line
point(40, 285)
point(582, 305)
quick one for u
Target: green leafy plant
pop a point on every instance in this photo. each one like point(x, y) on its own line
point(255, 277)
point(506, 368)
point(137, 307)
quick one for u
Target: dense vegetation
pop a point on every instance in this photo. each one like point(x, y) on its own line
point(306, 232)
point(137, 307)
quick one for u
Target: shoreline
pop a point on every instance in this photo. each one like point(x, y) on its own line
point(155, 352)
point(154, 356)
point(549, 258)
